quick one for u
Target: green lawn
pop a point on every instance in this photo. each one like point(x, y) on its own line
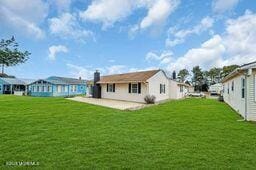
point(191, 133)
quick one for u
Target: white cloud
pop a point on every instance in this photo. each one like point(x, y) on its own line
point(67, 26)
point(108, 12)
point(78, 71)
point(63, 5)
point(164, 58)
point(220, 6)
point(55, 49)
point(235, 46)
point(176, 37)
point(116, 69)
point(24, 15)
point(158, 13)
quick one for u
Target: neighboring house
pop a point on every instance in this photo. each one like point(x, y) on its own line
point(216, 89)
point(12, 85)
point(240, 90)
point(135, 86)
point(57, 86)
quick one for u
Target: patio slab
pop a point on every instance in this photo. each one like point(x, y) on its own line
point(116, 104)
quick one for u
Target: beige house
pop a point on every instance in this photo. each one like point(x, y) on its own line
point(239, 90)
point(135, 86)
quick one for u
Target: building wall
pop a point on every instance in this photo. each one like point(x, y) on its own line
point(65, 90)
point(251, 101)
point(234, 98)
point(175, 91)
point(154, 86)
point(122, 93)
point(1, 86)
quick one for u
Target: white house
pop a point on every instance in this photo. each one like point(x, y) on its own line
point(240, 90)
point(135, 86)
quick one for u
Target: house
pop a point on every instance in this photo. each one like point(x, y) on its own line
point(216, 89)
point(240, 90)
point(136, 85)
point(57, 86)
point(12, 85)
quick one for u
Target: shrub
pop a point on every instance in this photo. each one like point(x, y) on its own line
point(150, 99)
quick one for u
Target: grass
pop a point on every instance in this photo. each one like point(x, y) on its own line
point(185, 134)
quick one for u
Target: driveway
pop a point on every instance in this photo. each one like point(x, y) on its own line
point(116, 104)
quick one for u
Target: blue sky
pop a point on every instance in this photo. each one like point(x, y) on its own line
point(73, 38)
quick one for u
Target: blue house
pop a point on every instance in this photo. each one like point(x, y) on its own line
point(12, 85)
point(57, 86)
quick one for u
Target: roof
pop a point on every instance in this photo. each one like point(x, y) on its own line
point(141, 76)
point(13, 81)
point(239, 70)
point(6, 76)
point(64, 80)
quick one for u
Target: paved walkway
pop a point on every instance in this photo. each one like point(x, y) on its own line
point(116, 104)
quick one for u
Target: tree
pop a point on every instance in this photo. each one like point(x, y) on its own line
point(214, 74)
point(197, 77)
point(10, 55)
point(183, 74)
point(228, 69)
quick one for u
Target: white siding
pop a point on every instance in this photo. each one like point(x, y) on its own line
point(251, 97)
point(234, 98)
point(154, 86)
point(122, 93)
point(175, 92)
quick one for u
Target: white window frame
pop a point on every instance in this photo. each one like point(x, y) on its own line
point(162, 88)
point(134, 88)
point(111, 88)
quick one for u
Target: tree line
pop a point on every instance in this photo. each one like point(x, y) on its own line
point(202, 79)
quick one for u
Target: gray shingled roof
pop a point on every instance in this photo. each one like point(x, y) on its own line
point(64, 80)
point(13, 81)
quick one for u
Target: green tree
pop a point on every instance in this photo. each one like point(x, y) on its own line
point(214, 74)
point(228, 69)
point(10, 55)
point(198, 77)
point(183, 74)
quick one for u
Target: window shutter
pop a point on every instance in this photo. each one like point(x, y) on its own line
point(139, 88)
point(130, 86)
point(107, 87)
point(114, 87)
point(160, 88)
point(164, 88)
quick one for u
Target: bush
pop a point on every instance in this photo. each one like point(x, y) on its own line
point(150, 99)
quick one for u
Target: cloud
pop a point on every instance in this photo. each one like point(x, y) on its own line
point(108, 12)
point(24, 16)
point(164, 58)
point(220, 6)
point(158, 13)
point(55, 49)
point(78, 71)
point(67, 26)
point(62, 5)
point(235, 46)
point(176, 37)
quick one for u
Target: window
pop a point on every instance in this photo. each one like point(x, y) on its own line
point(58, 88)
point(135, 88)
point(37, 88)
point(243, 88)
point(228, 88)
point(43, 88)
point(111, 87)
point(48, 88)
point(162, 88)
point(0, 88)
point(232, 86)
point(66, 88)
point(181, 89)
point(73, 88)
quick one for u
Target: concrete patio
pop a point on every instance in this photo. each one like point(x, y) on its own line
point(116, 104)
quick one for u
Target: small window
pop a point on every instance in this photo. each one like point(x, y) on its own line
point(232, 86)
point(162, 88)
point(181, 89)
point(110, 87)
point(48, 88)
point(37, 88)
point(135, 88)
point(243, 88)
